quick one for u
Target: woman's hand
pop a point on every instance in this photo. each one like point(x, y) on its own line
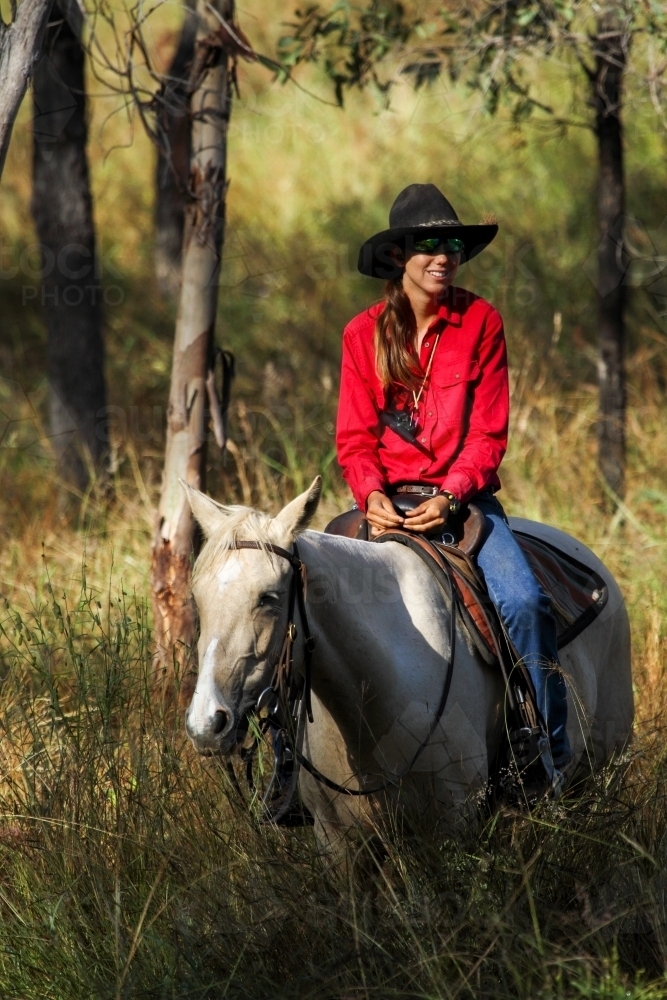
point(431, 514)
point(381, 513)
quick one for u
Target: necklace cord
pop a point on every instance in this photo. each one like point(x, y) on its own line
point(416, 396)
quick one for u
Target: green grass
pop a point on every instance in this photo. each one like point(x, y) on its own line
point(131, 868)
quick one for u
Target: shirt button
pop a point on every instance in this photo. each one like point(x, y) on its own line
point(426, 344)
point(457, 375)
point(430, 413)
point(423, 440)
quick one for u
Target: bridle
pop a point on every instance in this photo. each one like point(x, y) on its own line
point(287, 700)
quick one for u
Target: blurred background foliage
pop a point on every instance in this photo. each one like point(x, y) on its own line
point(309, 181)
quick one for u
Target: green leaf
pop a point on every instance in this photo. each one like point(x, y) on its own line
point(528, 15)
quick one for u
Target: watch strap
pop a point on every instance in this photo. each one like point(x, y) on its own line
point(454, 502)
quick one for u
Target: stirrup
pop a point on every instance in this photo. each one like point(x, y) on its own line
point(532, 763)
point(526, 746)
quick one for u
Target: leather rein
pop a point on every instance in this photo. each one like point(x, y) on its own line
point(288, 698)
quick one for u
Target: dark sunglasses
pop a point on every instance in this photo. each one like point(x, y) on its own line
point(436, 244)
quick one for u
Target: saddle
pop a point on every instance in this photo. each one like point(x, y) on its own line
point(577, 592)
point(464, 531)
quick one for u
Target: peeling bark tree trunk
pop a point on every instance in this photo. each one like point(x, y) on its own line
point(210, 106)
point(71, 288)
point(19, 46)
point(611, 49)
point(173, 162)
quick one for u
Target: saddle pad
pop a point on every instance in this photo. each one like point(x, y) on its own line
point(578, 594)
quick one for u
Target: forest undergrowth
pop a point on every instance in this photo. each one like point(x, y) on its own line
point(130, 866)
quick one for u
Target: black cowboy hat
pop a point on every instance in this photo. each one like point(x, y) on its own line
point(420, 211)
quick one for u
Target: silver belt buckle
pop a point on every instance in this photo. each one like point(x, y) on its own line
point(424, 491)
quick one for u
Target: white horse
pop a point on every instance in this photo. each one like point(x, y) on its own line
point(381, 629)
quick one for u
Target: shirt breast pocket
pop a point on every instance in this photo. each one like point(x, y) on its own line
point(458, 371)
point(453, 407)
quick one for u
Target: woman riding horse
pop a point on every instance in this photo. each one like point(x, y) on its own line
point(424, 408)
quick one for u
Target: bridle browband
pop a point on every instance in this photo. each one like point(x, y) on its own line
point(293, 696)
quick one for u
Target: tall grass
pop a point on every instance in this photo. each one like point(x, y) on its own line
point(132, 867)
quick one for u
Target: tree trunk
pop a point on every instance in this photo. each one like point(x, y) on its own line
point(210, 107)
point(19, 45)
point(173, 163)
point(611, 54)
point(71, 288)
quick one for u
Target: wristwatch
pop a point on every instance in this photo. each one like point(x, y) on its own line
point(454, 502)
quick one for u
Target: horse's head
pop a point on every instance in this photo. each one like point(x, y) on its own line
point(242, 599)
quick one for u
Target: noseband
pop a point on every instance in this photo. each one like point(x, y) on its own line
point(287, 700)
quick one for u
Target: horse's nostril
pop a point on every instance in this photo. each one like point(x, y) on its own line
point(219, 721)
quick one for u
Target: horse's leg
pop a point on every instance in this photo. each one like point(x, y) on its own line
point(335, 814)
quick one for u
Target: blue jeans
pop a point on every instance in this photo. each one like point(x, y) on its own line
point(525, 611)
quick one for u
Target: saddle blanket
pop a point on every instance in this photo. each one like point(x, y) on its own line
point(576, 591)
point(578, 594)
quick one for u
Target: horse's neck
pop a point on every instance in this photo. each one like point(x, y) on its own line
point(378, 621)
point(342, 599)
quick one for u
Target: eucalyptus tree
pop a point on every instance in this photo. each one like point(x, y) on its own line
point(192, 398)
point(20, 42)
point(62, 208)
point(173, 160)
point(186, 111)
point(493, 46)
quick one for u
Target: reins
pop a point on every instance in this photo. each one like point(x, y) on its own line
point(294, 699)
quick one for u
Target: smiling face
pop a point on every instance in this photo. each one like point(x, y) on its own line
point(430, 274)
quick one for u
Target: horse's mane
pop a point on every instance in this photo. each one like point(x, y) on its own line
point(240, 523)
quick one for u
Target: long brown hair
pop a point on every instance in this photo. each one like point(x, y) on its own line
point(395, 331)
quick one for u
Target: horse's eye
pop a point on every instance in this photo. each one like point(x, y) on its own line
point(269, 600)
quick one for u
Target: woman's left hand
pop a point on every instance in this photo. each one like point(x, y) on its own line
point(431, 514)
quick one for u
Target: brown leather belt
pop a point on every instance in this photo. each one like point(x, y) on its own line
point(419, 489)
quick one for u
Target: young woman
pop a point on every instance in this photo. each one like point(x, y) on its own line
point(424, 407)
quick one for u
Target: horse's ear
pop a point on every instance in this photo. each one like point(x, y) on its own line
point(207, 512)
point(297, 515)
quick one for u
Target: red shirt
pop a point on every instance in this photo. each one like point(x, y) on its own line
point(463, 411)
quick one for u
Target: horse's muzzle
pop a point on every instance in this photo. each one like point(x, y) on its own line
point(214, 735)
